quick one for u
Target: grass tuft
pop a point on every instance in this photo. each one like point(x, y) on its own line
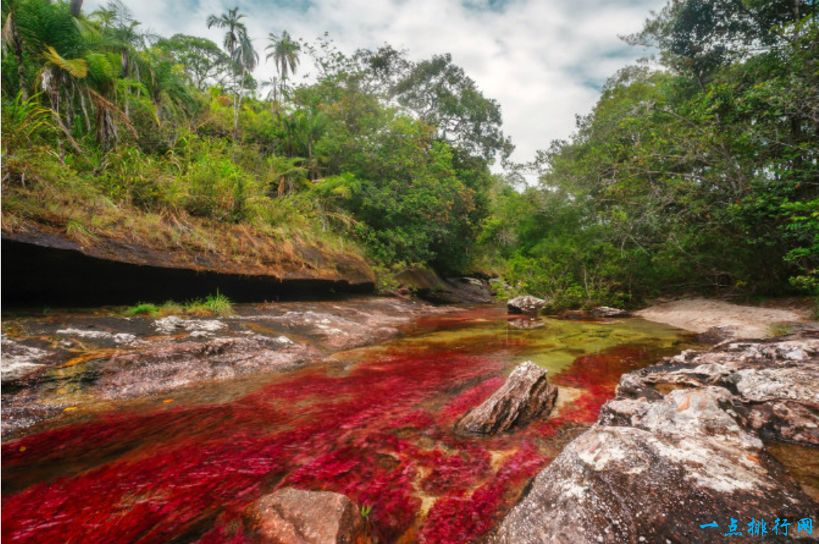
point(212, 305)
point(217, 304)
point(142, 308)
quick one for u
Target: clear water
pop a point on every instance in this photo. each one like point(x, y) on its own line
point(373, 423)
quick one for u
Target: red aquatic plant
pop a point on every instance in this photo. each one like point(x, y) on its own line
point(380, 433)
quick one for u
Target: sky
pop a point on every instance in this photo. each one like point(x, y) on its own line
point(544, 61)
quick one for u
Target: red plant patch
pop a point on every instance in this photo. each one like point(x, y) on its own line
point(381, 434)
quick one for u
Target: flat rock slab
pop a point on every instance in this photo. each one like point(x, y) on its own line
point(113, 357)
point(774, 385)
point(296, 516)
point(526, 395)
point(718, 318)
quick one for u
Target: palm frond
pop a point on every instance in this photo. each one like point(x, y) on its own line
point(78, 68)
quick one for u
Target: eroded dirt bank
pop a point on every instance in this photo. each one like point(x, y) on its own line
point(46, 267)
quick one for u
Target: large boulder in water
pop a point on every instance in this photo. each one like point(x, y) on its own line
point(526, 394)
point(525, 304)
point(296, 516)
point(680, 449)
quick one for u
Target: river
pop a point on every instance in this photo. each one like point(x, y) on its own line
point(180, 461)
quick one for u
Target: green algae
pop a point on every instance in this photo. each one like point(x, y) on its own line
point(554, 343)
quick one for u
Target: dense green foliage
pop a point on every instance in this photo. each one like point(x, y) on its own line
point(95, 110)
point(700, 177)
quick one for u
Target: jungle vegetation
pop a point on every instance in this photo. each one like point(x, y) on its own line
point(695, 172)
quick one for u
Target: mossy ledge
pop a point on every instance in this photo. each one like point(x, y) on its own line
point(44, 261)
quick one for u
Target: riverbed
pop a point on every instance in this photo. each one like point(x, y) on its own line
point(143, 438)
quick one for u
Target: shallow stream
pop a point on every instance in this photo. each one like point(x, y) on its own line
point(374, 423)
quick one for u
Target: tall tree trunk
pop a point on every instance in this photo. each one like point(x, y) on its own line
point(76, 8)
point(236, 105)
point(10, 34)
point(85, 112)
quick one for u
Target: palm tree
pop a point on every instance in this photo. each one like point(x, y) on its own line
point(240, 48)
point(285, 54)
point(236, 29)
point(273, 94)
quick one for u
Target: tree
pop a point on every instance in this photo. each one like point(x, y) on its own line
point(442, 94)
point(240, 49)
point(698, 178)
point(201, 59)
point(698, 36)
point(285, 54)
point(12, 40)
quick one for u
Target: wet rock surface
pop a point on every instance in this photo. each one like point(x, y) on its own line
point(680, 446)
point(20, 360)
point(526, 395)
point(63, 362)
point(426, 284)
point(525, 304)
point(596, 313)
point(296, 516)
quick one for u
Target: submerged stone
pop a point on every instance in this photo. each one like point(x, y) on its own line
point(526, 395)
point(297, 516)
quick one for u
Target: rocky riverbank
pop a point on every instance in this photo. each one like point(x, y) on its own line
point(686, 446)
point(59, 366)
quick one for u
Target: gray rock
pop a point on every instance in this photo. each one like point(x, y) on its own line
point(120, 338)
point(198, 327)
point(526, 395)
point(296, 516)
point(19, 360)
point(608, 311)
point(680, 446)
point(168, 366)
point(775, 384)
point(525, 304)
point(624, 484)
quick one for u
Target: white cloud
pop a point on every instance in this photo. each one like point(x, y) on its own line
point(540, 59)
